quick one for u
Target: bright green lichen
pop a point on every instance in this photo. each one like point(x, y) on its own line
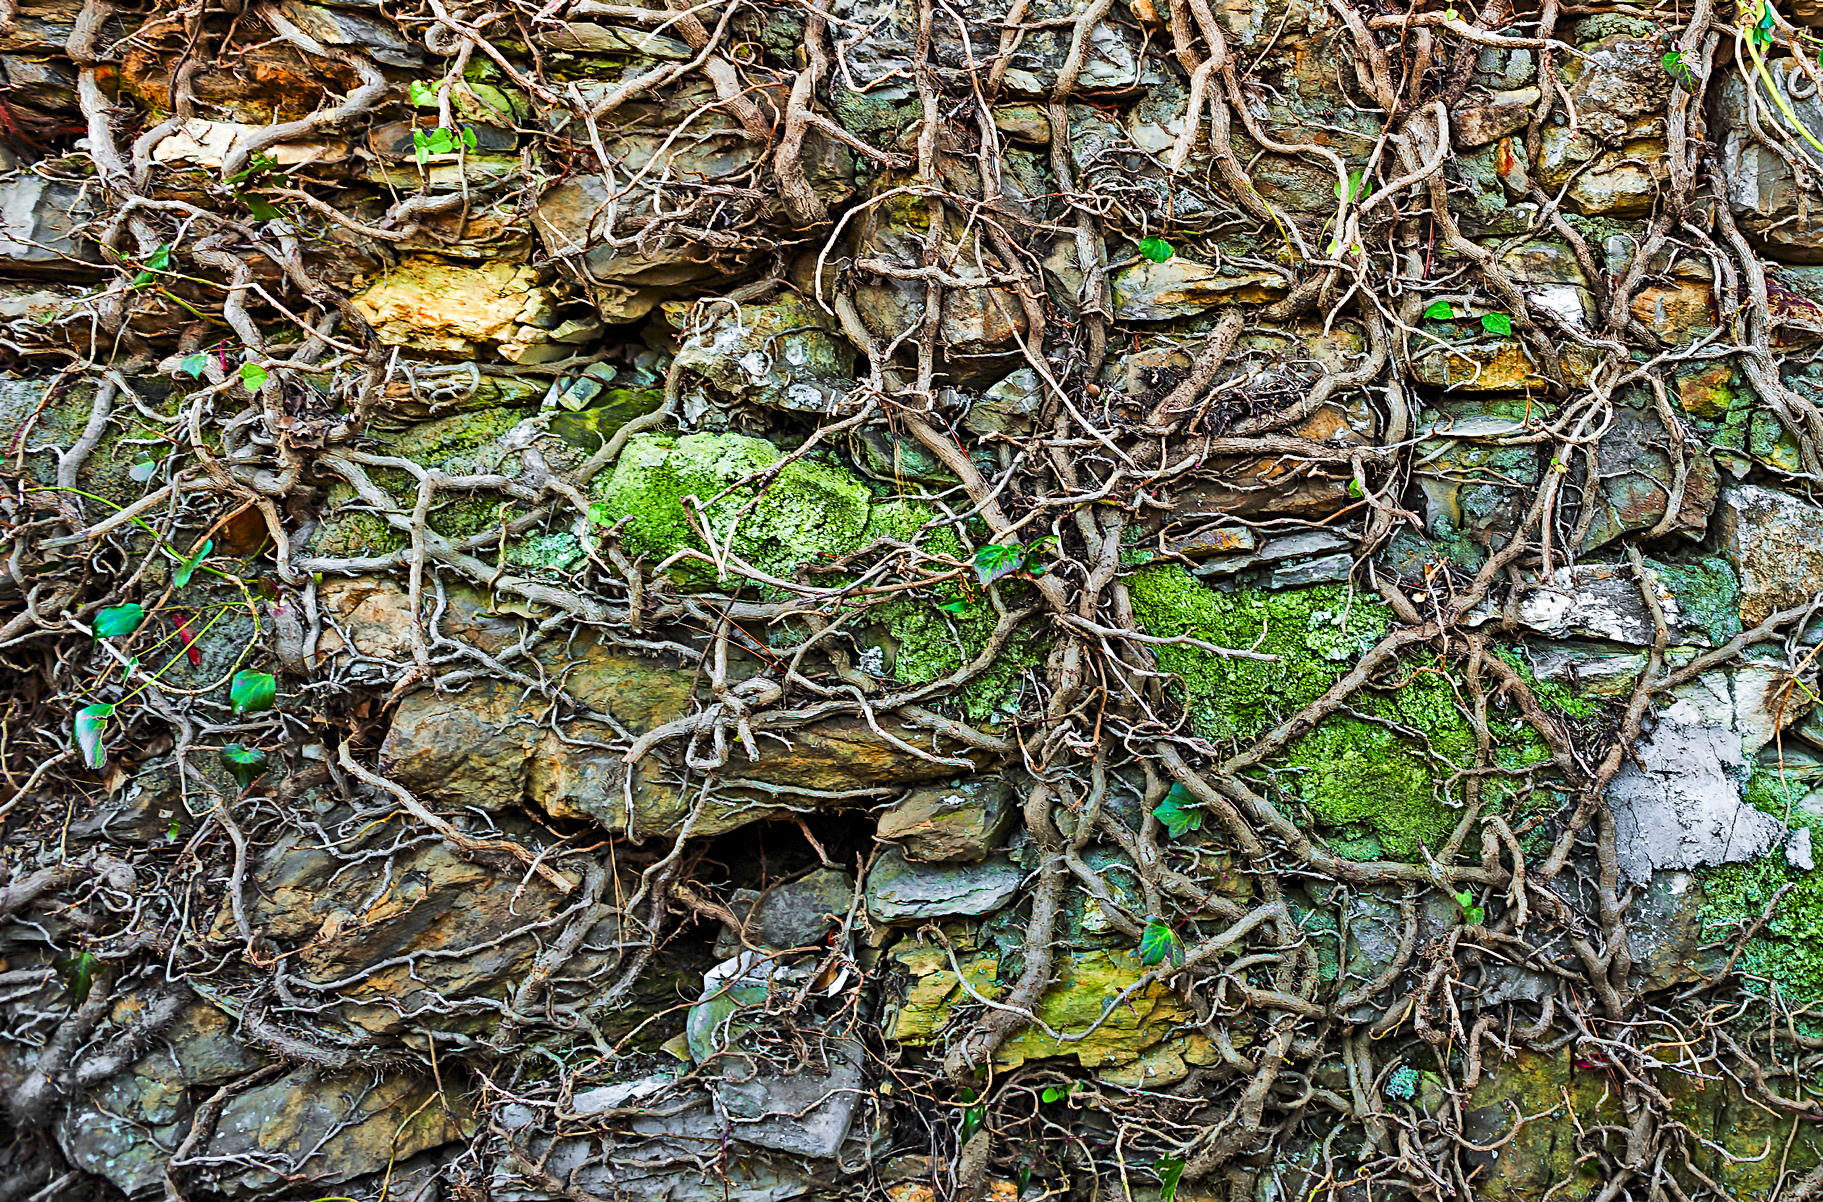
point(810, 509)
point(1384, 775)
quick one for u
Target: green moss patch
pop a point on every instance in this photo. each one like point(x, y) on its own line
point(1389, 771)
point(810, 509)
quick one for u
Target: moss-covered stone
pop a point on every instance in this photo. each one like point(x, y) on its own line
point(1388, 772)
point(810, 509)
point(1316, 633)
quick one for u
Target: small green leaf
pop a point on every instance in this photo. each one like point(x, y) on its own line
point(1440, 311)
point(253, 377)
point(261, 208)
point(423, 95)
point(1170, 1170)
point(186, 569)
point(247, 764)
point(91, 720)
point(972, 1115)
point(257, 165)
point(468, 136)
point(420, 145)
point(1358, 186)
point(1354, 490)
point(117, 621)
point(1178, 812)
point(1158, 942)
point(143, 471)
point(1497, 323)
point(78, 973)
point(1679, 70)
point(160, 259)
point(194, 365)
point(1156, 249)
point(252, 692)
point(955, 607)
point(995, 560)
point(1054, 1093)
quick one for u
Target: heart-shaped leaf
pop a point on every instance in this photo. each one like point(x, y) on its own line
point(253, 377)
point(423, 95)
point(1158, 943)
point(247, 764)
point(193, 365)
point(997, 559)
point(1497, 323)
point(186, 569)
point(1440, 311)
point(91, 720)
point(252, 692)
point(1178, 812)
point(119, 620)
point(1156, 249)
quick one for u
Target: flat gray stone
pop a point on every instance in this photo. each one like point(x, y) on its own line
point(1684, 810)
point(901, 890)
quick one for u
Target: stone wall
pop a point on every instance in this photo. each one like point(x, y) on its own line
point(883, 599)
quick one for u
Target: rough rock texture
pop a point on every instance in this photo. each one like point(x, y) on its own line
point(907, 602)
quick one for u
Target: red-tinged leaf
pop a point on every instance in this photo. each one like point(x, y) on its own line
point(189, 641)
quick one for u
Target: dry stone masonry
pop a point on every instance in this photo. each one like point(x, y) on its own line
point(897, 601)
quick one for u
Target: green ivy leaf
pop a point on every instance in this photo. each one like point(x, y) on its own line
point(1156, 249)
point(1760, 32)
point(252, 692)
point(247, 764)
point(91, 720)
point(117, 621)
point(187, 568)
point(1178, 812)
point(1497, 323)
point(78, 973)
point(1358, 186)
point(257, 165)
point(261, 208)
point(1472, 914)
point(1158, 942)
point(1679, 70)
point(1440, 311)
point(420, 146)
point(194, 365)
point(253, 377)
point(423, 95)
point(160, 259)
point(1170, 1170)
point(958, 608)
point(972, 1115)
point(1054, 1093)
point(996, 560)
